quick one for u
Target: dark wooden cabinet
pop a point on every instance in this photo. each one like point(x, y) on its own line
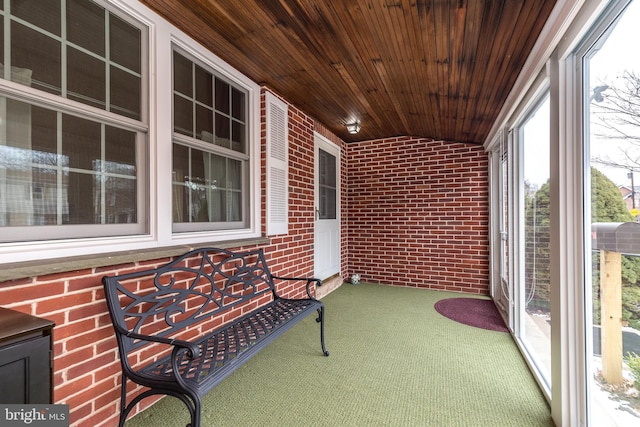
point(26, 366)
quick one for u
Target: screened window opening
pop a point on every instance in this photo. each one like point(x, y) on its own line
point(73, 171)
point(83, 53)
point(534, 303)
point(328, 186)
point(612, 286)
point(210, 154)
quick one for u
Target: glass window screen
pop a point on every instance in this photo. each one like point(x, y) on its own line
point(535, 290)
point(57, 169)
point(208, 181)
point(612, 99)
point(206, 187)
point(328, 188)
point(92, 70)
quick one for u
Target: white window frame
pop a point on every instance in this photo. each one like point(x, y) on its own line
point(213, 149)
point(60, 104)
point(568, 24)
point(531, 104)
point(501, 224)
point(578, 76)
point(162, 36)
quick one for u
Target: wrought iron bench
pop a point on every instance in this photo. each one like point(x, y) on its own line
point(184, 327)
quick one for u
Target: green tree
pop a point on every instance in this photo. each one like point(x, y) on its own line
point(606, 202)
point(607, 206)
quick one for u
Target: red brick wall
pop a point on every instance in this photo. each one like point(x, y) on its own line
point(418, 214)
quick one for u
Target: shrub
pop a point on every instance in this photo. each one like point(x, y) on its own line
point(633, 361)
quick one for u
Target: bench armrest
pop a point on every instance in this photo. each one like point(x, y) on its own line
point(192, 349)
point(309, 281)
point(178, 346)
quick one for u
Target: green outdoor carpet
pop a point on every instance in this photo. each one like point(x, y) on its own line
point(394, 362)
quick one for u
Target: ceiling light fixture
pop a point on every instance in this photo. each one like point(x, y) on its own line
point(354, 127)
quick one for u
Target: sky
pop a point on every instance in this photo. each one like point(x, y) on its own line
point(618, 53)
point(536, 129)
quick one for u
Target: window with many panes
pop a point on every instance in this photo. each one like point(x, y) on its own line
point(210, 153)
point(73, 134)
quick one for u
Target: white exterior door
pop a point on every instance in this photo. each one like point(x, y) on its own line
point(327, 208)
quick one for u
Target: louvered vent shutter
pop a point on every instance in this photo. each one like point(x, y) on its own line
point(277, 166)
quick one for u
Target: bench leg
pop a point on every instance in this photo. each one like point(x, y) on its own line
point(192, 403)
point(123, 401)
point(321, 320)
point(195, 413)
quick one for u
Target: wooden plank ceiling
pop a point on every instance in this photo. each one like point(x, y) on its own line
point(439, 69)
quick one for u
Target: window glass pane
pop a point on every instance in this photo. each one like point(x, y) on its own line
point(502, 293)
point(119, 177)
point(223, 131)
point(182, 115)
point(121, 198)
point(86, 78)
point(199, 184)
point(180, 177)
point(49, 202)
point(38, 56)
point(182, 75)
point(218, 203)
point(238, 137)
point(235, 212)
point(86, 27)
point(44, 124)
point(204, 86)
point(238, 104)
point(83, 191)
point(81, 142)
point(234, 175)
point(613, 131)
point(534, 302)
point(204, 123)
point(222, 96)
point(327, 165)
point(18, 124)
point(218, 171)
point(125, 43)
point(29, 193)
point(2, 47)
point(504, 216)
point(120, 151)
point(125, 93)
point(15, 207)
point(327, 185)
point(43, 14)
point(328, 203)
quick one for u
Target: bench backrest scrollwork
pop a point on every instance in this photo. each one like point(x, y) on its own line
point(206, 287)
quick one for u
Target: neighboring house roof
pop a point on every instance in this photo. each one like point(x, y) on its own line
point(625, 190)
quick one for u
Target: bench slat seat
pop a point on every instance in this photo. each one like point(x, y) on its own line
point(222, 351)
